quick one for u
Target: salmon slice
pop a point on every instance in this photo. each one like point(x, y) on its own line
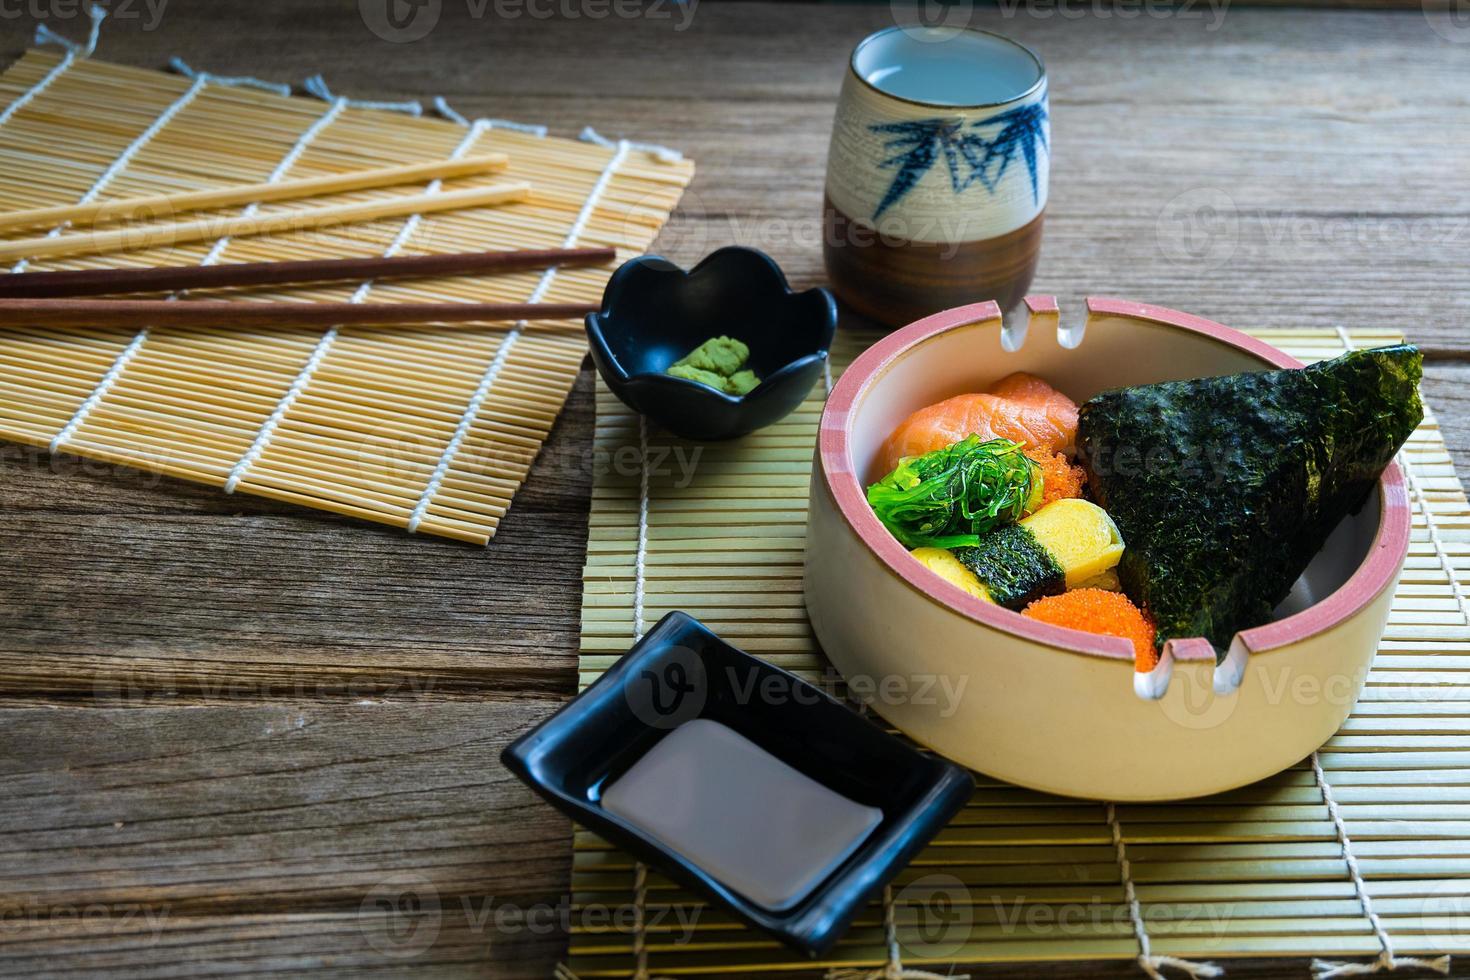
point(1020, 407)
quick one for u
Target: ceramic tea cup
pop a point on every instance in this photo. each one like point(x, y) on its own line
point(936, 173)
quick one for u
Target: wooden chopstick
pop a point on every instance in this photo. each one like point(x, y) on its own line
point(225, 313)
point(304, 219)
point(171, 278)
point(157, 206)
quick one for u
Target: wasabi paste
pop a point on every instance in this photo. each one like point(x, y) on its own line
point(720, 363)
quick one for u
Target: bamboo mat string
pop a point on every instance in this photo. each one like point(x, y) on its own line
point(317, 86)
point(640, 573)
point(74, 50)
point(1151, 964)
point(182, 67)
point(661, 153)
point(1386, 960)
point(329, 338)
point(1325, 969)
point(448, 112)
point(108, 380)
point(497, 363)
point(303, 142)
point(126, 156)
point(1416, 490)
point(103, 386)
point(640, 551)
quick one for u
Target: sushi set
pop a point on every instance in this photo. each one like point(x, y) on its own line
point(1134, 531)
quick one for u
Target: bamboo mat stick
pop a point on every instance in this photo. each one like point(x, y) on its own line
point(305, 219)
point(92, 282)
point(224, 313)
point(222, 197)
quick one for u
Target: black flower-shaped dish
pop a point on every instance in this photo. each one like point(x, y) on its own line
point(653, 313)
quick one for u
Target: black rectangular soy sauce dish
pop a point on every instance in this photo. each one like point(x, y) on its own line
point(680, 671)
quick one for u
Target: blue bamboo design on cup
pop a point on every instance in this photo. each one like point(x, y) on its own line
point(937, 172)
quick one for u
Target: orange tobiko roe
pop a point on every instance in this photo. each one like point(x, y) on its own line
point(1100, 611)
point(1059, 478)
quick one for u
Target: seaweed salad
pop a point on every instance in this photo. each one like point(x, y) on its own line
point(1226, 488)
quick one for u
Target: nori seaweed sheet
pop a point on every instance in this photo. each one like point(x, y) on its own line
point(1226, 488)
point(1013, 566)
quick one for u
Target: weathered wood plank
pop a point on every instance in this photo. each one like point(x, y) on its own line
point(253, 806)
point(157, 842)
point(125, 944)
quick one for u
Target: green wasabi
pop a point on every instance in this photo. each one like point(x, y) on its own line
point(741, 382)
point(720, 363)
point(692, 373)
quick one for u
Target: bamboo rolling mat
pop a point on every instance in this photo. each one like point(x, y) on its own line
point(1258, 872)
point(431, 428)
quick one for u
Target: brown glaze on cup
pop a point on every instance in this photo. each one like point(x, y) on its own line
point(893, 281)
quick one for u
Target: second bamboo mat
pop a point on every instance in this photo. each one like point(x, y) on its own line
point(432, 429)
point(1021, 876)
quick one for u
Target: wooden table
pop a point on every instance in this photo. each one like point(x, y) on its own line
point(234, 734)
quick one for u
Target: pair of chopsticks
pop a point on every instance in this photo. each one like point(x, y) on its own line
point(164, 206)
point(49, 298)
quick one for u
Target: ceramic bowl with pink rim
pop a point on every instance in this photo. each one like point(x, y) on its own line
point(1057, 709)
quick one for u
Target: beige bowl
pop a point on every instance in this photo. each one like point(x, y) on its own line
point(1053, 708)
